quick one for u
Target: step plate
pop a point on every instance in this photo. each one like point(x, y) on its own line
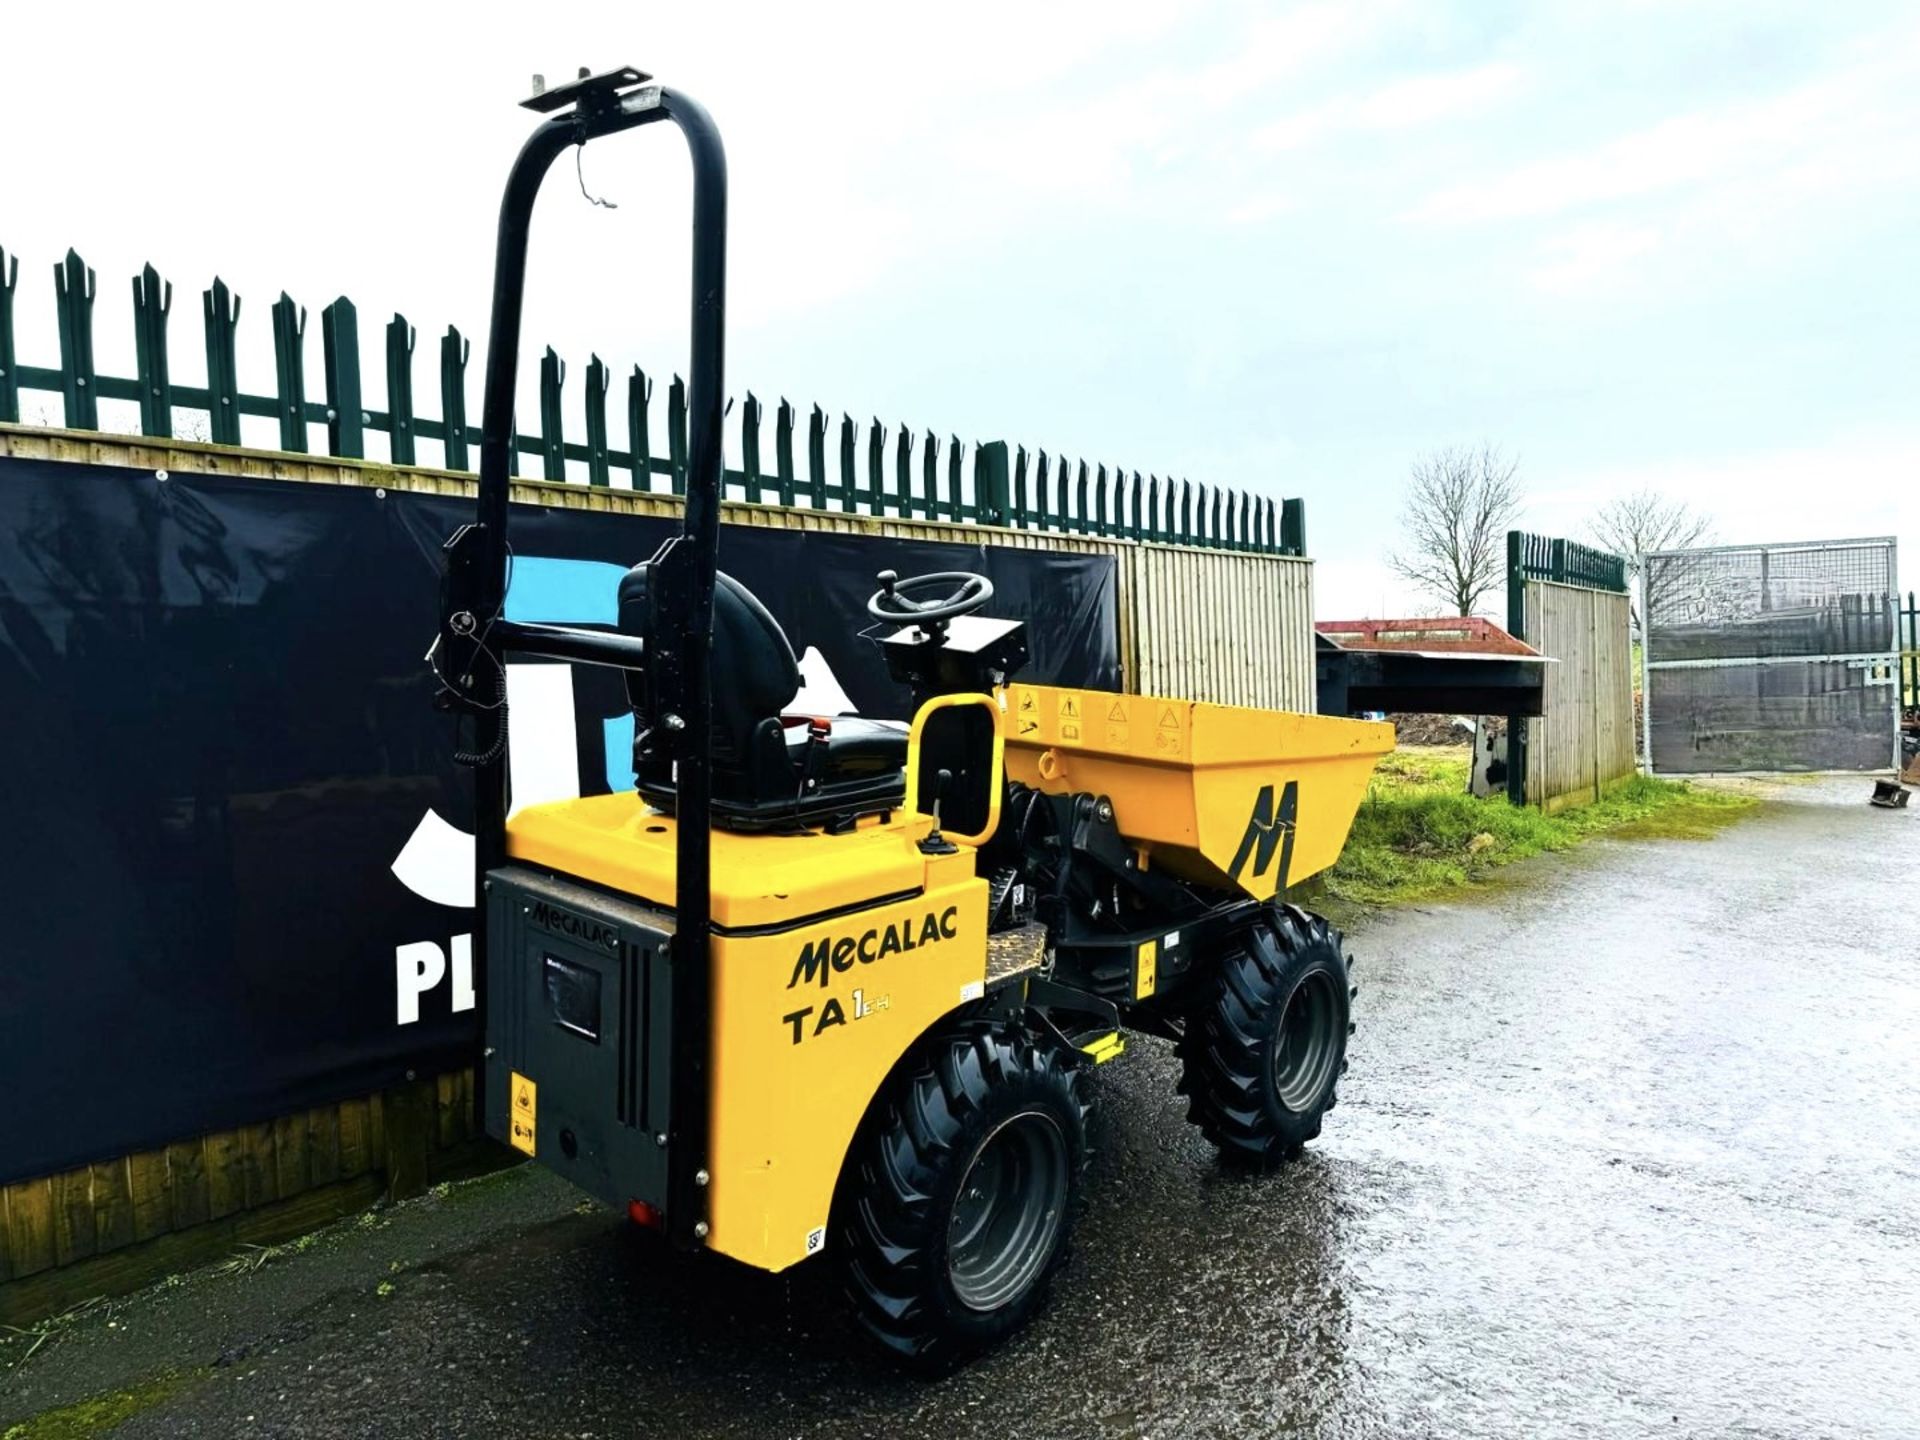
point(1013, 953)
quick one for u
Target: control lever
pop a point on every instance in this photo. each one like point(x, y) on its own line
point(936, 843)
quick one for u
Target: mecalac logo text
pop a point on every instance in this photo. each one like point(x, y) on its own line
point(578, 927)
point(821, 959)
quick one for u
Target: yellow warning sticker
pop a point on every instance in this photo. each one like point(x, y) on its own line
point(1145, 968)
point(1169, 718)
point(1029, 702)
point(520, 1114)
point(1070, 706)
point(1117, 714)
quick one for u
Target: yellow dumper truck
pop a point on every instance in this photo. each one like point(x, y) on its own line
point(823, 985)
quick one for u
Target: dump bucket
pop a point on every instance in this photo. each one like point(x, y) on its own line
point(1223, 795)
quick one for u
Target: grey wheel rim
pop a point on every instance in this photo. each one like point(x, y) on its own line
point(1008, 1213)
point(1307, 1048)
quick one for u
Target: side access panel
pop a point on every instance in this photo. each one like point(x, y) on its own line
point(578, 1024)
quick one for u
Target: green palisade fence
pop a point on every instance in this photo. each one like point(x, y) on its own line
point(1565, 562)
point(1030, 491)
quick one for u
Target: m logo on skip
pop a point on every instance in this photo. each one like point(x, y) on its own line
point(1268, 831)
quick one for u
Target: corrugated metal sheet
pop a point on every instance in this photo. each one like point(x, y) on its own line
point(1195, 623)
point(1584, 741)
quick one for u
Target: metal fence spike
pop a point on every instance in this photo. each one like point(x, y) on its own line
point(750, 447)
point(9, 370)
point(903, 467)
point(290, 370)
point(930, 475)
point(400, 417)
point(849, 469)
point(220, 321)
point(876, 486)
point(639, 442)
point(340, 354)
point(817, 458)
point(677, 433)
point(152, 302)
point(73, 284)
point(783, 451)
point(454, 352)
point(599, 468)
point(956, 505)
point(553, 443)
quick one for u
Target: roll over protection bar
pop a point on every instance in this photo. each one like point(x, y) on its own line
point(475, 636)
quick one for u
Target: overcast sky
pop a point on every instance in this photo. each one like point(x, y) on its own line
point(1282, 247)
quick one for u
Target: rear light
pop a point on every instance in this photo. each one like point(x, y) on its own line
point(641, 1213)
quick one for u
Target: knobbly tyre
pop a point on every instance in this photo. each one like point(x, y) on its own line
point(832, 985)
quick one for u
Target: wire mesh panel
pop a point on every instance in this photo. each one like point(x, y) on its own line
point(1772, 657)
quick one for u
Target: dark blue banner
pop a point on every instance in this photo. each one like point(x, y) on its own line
point(237, 846)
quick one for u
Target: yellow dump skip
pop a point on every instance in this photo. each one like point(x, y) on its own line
point(1224, 795)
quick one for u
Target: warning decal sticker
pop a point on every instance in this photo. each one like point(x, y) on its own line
point(520, 1114)
point(1166, 734)
point(1069, 708)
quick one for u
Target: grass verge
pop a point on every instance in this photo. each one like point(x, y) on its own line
point(1419, 835)
point(102, 1412)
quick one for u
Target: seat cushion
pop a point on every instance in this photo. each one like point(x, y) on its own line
point(857, 748)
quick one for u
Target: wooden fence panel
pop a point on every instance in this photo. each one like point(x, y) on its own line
point(1584, 741)
point(1216, 626)
point(116, 1224)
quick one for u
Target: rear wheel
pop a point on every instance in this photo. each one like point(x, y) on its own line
point(959, 1194)
point(1266, 1044)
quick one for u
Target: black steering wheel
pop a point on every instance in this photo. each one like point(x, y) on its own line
point(928, 599)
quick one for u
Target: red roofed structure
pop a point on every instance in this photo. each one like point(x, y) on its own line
point(1447, 634)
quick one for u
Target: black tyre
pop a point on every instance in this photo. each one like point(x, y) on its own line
point(1266, 1043)
point(956, 1204)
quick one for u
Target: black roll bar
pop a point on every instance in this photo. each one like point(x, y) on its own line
point(683, 569)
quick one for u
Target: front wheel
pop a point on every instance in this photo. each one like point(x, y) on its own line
point(1266, 1044)
point(956, 1208)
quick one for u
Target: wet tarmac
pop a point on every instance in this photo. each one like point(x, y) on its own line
point(1631, 1146)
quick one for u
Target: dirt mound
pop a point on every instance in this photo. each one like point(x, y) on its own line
point(1441, 729)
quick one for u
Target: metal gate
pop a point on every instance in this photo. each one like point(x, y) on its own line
point(1768, 658)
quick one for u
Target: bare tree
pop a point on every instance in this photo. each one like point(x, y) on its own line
point(1461, 501)
point(1638, 525)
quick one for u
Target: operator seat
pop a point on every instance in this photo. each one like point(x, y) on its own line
point(771, 769)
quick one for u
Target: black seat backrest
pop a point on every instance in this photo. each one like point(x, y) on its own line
point(755, 676)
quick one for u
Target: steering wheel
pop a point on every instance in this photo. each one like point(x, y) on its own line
point(928, 599)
